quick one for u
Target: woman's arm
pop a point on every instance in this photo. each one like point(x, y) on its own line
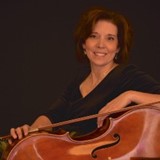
point(125, 99)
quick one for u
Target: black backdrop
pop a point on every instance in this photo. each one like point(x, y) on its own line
point(37, 50)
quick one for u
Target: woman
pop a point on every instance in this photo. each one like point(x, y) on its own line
point(106, 83)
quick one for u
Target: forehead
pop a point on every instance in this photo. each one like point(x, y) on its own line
point(105, 26)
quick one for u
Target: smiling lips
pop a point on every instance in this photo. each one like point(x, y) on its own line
point(100, 53)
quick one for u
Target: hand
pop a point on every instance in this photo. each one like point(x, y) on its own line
point(119, 102)
point(19, 132)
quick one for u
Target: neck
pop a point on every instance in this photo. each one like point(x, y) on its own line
point(97, 74)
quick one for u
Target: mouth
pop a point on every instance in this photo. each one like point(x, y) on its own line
point(100, 54)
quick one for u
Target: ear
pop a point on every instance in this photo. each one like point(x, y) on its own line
point(84, 46)
point(118, 49)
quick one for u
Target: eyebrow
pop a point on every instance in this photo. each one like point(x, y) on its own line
point(112, 35)
point(107, 34)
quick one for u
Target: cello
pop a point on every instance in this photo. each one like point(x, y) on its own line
point(127, 133)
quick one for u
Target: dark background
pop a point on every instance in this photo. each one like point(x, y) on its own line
point(37, 55)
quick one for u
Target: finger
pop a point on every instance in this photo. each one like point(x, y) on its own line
point(100, 122)
point(25, 129)
point(19, 132)
point(13, 133)
point(10, 141)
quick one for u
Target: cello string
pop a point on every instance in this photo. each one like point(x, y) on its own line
point(53, 125)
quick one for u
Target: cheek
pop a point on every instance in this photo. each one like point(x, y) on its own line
point(114, 48)
point(88, 45)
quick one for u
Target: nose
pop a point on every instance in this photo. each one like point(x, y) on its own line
point(101, 43)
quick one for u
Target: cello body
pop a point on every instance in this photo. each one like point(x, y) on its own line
point(135, 133)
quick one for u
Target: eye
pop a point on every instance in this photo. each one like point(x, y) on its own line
point(110, 38)
point(93, 36)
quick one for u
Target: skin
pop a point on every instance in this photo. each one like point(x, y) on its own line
point(100, 47)
point(126, 98)
point(20, 132)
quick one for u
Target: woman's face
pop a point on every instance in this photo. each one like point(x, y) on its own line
point(102, 45)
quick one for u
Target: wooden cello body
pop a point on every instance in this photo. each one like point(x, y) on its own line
point(135, 133)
